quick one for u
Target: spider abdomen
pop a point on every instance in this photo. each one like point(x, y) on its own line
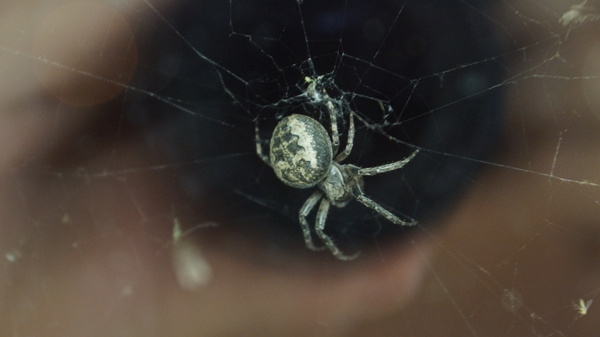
point(300, 151)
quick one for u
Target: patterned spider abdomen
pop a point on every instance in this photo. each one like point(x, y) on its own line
point(300, 151)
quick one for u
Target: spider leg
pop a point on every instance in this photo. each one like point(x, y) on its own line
point(372, 204)
point(308, 206)
point(349, 141)
point(335, 135)
point(259, 150)
point(371, 171)
point(320, 226)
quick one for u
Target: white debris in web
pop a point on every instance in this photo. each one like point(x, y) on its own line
point(191, 267)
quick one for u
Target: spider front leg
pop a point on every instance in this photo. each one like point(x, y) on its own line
point(349, 141)
point(259, 150)
point(335, 134)
point(318, 94)
point(304, 212)
point(320, 227)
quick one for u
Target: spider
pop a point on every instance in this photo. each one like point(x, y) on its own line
point(304, 155)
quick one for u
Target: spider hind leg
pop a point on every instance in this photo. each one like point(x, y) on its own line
point(308, 206)
point(372, 204)
point(319, 228)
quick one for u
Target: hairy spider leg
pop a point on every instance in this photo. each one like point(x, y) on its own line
point(371, 171)
point(308, 206)
point(349, 141)
point(321, 219)
point(359, 195)
point(259, 150)
point(335, 135)
point(318, 95)
point(372, 204)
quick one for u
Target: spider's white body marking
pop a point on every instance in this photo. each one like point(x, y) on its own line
point(307, 151)
point(300, 151)
point(302, 156)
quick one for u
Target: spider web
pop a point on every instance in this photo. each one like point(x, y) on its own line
point(157, 144)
